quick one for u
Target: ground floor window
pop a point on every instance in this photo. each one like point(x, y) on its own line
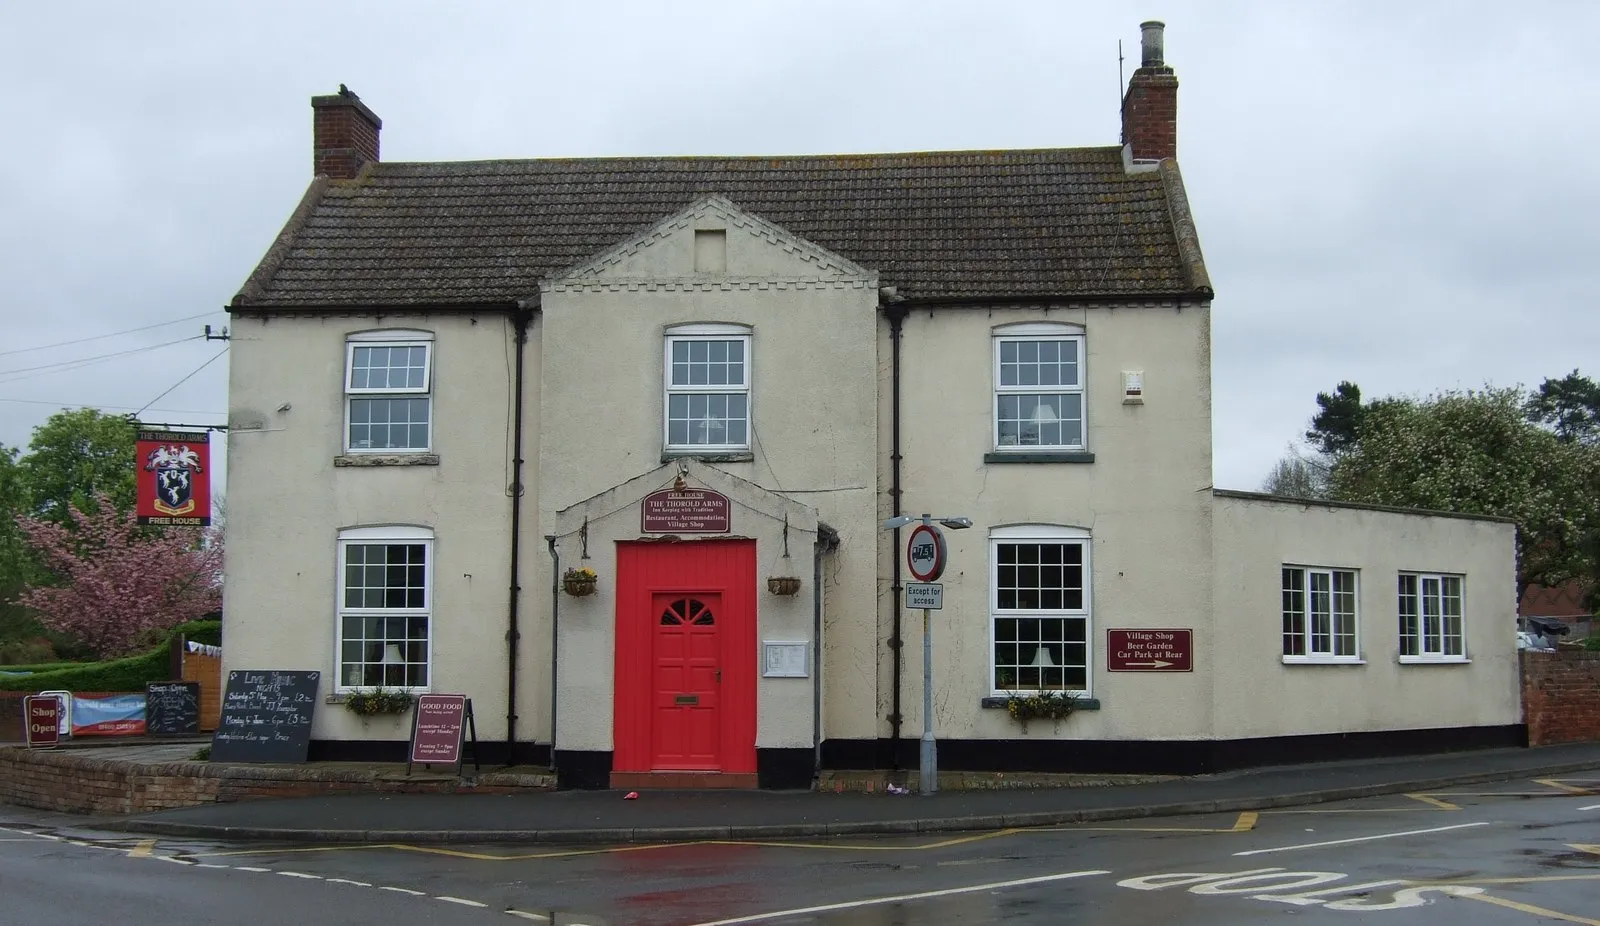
point(1319, 613)
point(385, 607)
point(1039, 609)
point(1431, 617)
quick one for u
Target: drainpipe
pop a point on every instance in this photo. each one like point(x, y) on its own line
point(555, 639)
point(896, 314)
point(827, 542)
point(519, 319)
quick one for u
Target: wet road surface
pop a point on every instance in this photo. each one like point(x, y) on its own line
point(1505, 853)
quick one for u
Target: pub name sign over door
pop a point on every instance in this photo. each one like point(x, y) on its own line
point(686, 511)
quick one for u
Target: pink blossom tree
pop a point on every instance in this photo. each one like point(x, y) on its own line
point(121, 584)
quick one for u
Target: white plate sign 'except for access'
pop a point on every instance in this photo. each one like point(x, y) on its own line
point(928, 595)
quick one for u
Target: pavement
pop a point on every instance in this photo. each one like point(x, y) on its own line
point(665, 816)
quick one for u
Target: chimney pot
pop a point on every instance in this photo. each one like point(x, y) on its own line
point(1151, 36)
point(344, 135)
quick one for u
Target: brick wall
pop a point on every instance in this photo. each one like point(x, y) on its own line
point(56, 779)
point(1561, 697)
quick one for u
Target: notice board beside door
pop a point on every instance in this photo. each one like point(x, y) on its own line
point(266, 716)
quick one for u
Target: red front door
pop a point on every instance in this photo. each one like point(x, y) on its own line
point(686, 657)
point(685, 732)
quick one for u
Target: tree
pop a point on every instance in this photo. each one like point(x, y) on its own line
point(121, 585)
point(1476, 452)
point(14, 559)
point(1570, 406)
point(1298, 476)
point(1337, 422)
point(75, 457)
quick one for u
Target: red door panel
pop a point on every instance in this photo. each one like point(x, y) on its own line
point(685, 730)
point(685, 657)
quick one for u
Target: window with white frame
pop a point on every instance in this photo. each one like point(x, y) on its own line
point(1039, 609)
point(1431, 618)
point(388, 385)
point(1038, 387)
point(708, 387)
point(385, 607)
point(1319, 614)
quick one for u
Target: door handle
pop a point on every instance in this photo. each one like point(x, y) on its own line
point(719, 676)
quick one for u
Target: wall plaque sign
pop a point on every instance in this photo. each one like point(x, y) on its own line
point(686, 511)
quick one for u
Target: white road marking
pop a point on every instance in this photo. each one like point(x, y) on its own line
point(249, 868)
point(348, 881)
point(402, 890)
point(213, 866)
point(900, 898)
point(464, 903)
point(1591, 807)
point(296, 874)
point(539, 917)
point(177, 861)
point(1345, 842)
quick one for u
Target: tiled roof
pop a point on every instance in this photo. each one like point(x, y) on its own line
point(1566, 600)
point(944, 225)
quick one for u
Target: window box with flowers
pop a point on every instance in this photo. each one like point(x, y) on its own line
point(371, 702)
point(580, 581)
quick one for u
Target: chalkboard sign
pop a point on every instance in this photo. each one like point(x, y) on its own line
point(172, 708)
point(266, 716)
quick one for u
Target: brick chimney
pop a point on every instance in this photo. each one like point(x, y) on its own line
point(344, 135)
point(1150, 107)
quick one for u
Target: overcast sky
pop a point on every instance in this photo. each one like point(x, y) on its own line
point(1400, 194)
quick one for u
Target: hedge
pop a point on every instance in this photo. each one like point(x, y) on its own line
point(127, 674)
point(42, 667)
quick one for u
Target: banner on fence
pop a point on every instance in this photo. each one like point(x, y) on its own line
point(118, 715)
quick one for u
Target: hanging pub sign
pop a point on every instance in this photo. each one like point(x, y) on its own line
point(686, 511)
point(174, 478)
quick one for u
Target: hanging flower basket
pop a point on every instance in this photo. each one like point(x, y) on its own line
point(579, 582)
point(783, 585)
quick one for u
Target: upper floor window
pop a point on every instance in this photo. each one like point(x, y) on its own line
point(708, 387)
point(385, 607)
point(1039, 609)
point(1319, 615)
point(1431, 618)
point(1038, 387)
point(388, 385)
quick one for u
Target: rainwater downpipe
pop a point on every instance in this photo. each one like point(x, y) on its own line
point(897, 315)
point(555, 639)
point(827, 542)
point(519, 320)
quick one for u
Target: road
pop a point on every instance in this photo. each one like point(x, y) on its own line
point(1507, 853)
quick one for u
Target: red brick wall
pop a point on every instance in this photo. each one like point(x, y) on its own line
point(56, 779)
point(1561, 697)
point(344, 139)
point(1150, 114)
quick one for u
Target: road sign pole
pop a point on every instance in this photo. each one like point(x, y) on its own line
point(929, 773)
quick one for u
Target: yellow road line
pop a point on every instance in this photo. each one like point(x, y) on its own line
point(373, 845)
point(1537, 879)
point(1430, 799)
point(1530, 908)
point(143, 849)
point(1244, 824)
point(1581, 847)
point(1570, 789)
point(1356, 810)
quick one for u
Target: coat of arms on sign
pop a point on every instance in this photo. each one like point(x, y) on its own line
point(173, 466)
